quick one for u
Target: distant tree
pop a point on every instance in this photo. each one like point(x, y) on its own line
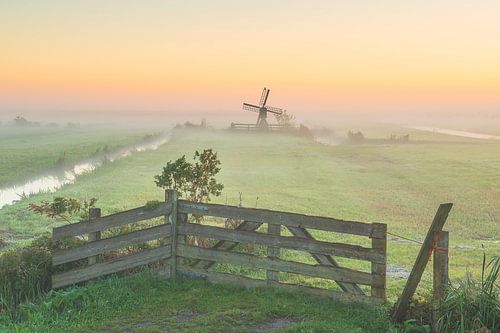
point(399, 138)
point(356, 137)
point(21, 121)
point(203, 125)
point(285, 119)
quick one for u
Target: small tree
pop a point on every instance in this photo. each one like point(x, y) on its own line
point(194, 181)
point(285, 119)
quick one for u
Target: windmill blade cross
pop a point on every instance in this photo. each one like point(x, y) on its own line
point(251, 107)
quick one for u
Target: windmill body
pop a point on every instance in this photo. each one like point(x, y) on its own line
point(262, 109)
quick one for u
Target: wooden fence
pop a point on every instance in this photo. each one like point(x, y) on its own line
point(187, 258)
point(253, 127)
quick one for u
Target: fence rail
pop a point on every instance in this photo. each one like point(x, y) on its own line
point(254, 127)
point(111, 221)
point(189, 258)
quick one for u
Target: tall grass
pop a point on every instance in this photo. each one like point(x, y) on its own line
point(473, 306)
point(25, 273)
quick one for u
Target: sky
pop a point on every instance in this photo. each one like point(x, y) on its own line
point(210, 56)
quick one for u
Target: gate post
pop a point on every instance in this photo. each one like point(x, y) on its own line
point(440, 272)
point(94, 213)
point(420, 263)
point(171, 197)
point(380, 268)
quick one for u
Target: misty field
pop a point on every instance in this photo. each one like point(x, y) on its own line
point(398, 184)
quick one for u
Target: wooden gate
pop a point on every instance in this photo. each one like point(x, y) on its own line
point(272, 230)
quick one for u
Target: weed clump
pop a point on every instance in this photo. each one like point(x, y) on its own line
point(473, 306)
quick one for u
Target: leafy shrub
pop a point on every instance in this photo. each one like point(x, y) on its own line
point(195, 181)
point(25, 273)
point(64, 208)
point(473, 306)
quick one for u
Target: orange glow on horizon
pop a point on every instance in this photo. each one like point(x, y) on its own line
point(328, 54)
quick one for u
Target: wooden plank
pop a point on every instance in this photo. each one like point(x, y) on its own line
point(117, 265)
point(171, 198)
point(308, 245)
point(227, 245)
point(110, 221)
point(94, 213)
point(273, 253)
point(182, 219)
point(224, 278)
point(110, 244)
point(326, 260)
point(380, 269)
point(275, 264)
point(283, 218)
point(420, 263)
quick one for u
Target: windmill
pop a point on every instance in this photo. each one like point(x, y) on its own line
point(262, 109)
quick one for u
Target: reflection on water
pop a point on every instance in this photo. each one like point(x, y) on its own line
point(464, 134)
point(52, 182)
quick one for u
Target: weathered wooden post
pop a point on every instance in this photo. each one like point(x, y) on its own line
point(440, 272)
point(380, 269)
point(420, 263)
point(171, 198)
point(94, 213)
point(273, 252)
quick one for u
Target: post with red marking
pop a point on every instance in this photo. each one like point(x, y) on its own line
point(440, 271)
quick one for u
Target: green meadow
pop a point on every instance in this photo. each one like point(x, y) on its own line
point(400, 184)
point(25, 152)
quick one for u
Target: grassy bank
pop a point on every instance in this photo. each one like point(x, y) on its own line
point(26, 152)
point(148, 303)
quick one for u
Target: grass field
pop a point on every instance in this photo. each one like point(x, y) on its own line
point(398, 184)
point(26, 152)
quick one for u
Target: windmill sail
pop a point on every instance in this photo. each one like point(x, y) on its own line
point(263, 97)
point(251, 107)
point(274, 110)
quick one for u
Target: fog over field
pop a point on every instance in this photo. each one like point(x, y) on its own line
point(487, 121)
